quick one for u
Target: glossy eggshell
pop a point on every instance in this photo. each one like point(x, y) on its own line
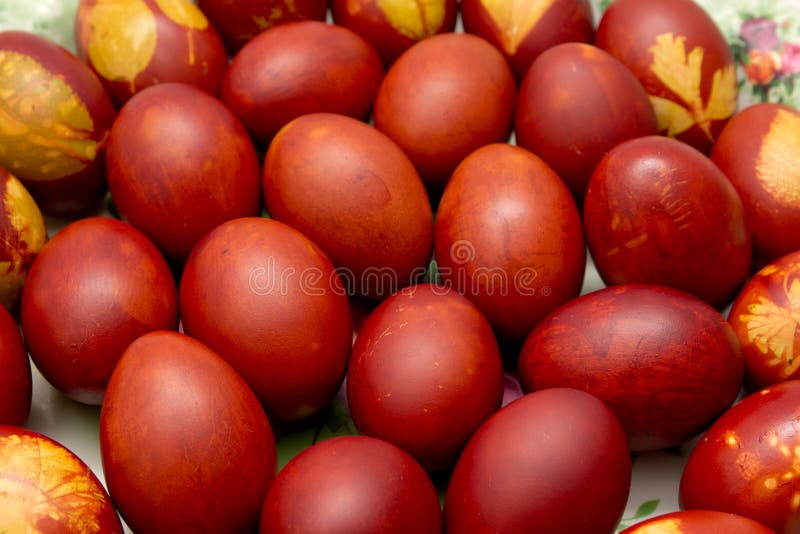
point(508, 235)
point(298, 68)
point(427, 103)
point(658, 211)
point(684, 62)
point(698, 522)
point(353, 192)
point(392, 27)
point(522, 29)
point(45, 487)
point(23, 233)
point(748, 462)
point(97, 285)
point(56, 118)
point(269, 301)
point(135, 44)
point(576, 103)
point(424, 374)
point(664, 361)
point(766, 318)
point(16, 386)
point(179, 164)
point(238, 21)
point(759, 151)
point(185, 445)
point(553, 461)
point(352, 484)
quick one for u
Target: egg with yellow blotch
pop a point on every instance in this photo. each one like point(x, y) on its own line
point(698, 522)
point(55, 119)
point(45, 487)
point(133, 44)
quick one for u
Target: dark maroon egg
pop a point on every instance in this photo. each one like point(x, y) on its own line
point(352, 484)
point(185, 444)
point(657, 211)
point(16, 387)
point(553, 461)
point(56, 121)
point(97, 285)
point(748, 462)
point(298, 68)
point(664, 361)
point(508, 235)
point(425, 373)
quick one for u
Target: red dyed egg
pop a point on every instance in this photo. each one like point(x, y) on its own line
point(658, 211)
point(522, 29)
point(759, 151)
point(424, 374)
point(445, 97)
point(238, 21)
point(269, 301)
point(748, 462)
point(185, 444)
point(56, 117)
point(179, 164)
point(508, 235)
point(352, 484)
point(47, 488)
point(353, 192)
point(698, 522)
point(299, 68)
point(682, 59)
point(576, 103)
point(551, 462)
point(134, 44)
point(95, 287)
point(15, 374)
point(766, 318)
point(664, 361)
point(392, 27)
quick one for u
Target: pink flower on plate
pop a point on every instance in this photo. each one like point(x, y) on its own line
point(759, 34)
point(790, 58)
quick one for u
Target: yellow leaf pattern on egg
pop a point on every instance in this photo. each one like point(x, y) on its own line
point(416, 19)
point(681, 73)
point(515, 19)
point(665, 526)
point(777, 166)
point(184, 13)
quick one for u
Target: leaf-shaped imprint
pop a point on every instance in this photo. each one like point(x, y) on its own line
point(416, 19)
point(515, 19)
point(122, 40)
point(184, 12)
point(775, 330)
point(45, 128)
point(777, 166)
point(52, 485)
point(681, 73)
point(666, 526)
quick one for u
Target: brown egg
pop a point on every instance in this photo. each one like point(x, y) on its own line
point(576, 103)
point(55, 118)
point(676, 50)
point(664, 361)
point(658, 211)
point(392, 27)
point(22, 232)
point(759, 151)
point(353, 192)
point(47, 488)
point(298, 68)
point(16, 384)
point(508, 235)
point(185, 445)
point(133, 44)
point(269, 301)
point(523, 29)
point(238, 21)
point(180, 163)
point(766, 317)
point(95, 287)
point(445, 97)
